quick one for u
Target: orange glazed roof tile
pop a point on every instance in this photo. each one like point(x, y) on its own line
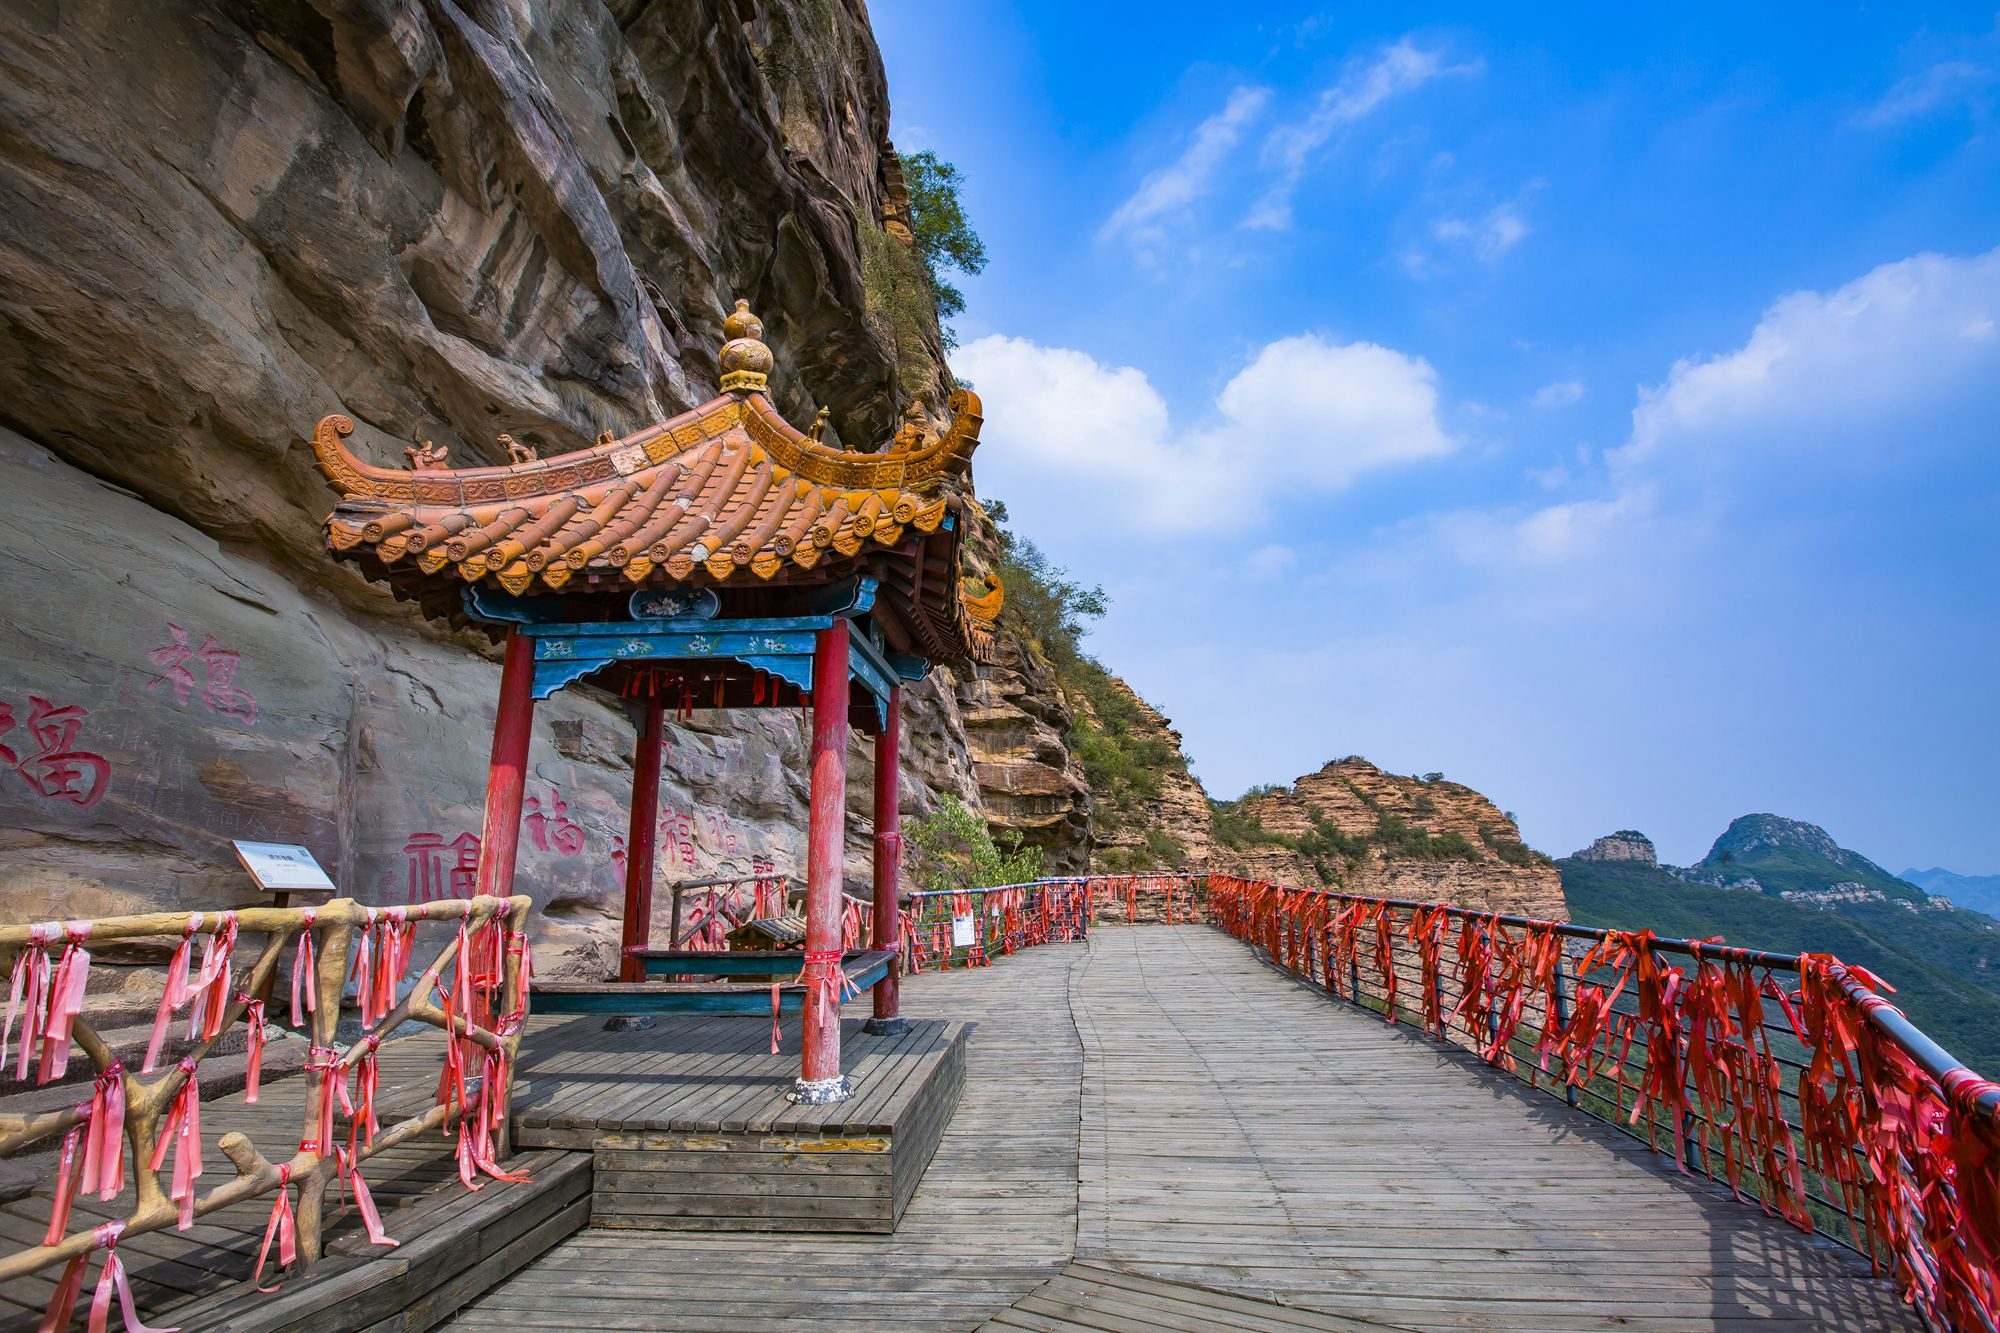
point(726, 494)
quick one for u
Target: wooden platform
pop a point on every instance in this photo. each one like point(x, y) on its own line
point(690, 1129)
point(1160, 1102)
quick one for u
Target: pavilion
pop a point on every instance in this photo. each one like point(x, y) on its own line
point(719, 559)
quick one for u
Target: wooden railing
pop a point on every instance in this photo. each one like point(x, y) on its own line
point(475, 989)
point(1786, 1077)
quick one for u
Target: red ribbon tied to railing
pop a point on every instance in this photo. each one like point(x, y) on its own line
point(304, 966)
point(112, 1282)
point(66, 988)
point(28, 996)
point(176, 993)
point(181, 1131)
point(284, 1228)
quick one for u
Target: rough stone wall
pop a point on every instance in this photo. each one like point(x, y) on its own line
point(1352, 794)
point(448, 219)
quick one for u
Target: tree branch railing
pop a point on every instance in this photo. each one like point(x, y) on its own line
point(475, 990)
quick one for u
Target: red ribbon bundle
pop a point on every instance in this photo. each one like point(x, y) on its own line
point(253, 1018)
point(104, 1141)
point(348, 1170)
point(362, 1124)
point(305, 968)
point(1427, 927)
point(182, 1131)
point(176, 993)
point(69, 1174)
point(284, 1228)
point(28, 996)
point(112, 1281)
point(213, 986)
point(66, 988)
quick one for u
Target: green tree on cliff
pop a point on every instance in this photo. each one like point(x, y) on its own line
point(943, 233)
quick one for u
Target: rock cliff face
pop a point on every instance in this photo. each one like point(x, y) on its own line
point(1370, 832)
point(1624, 845)
point(448, 219)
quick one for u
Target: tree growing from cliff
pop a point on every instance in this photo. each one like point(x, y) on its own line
point(944, 235)
point(960, 853)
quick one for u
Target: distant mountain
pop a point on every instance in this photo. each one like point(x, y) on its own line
point(1787, 886)
point(1979, 892)
point(1790, 856)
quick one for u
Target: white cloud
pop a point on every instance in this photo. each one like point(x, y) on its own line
point(1271, 560)
point(1179, 184)
point(1563, 393)
point(1075, 438)
point(1947, 83)
point(1290, 148)
point(1850, 369)
point(1488, 237)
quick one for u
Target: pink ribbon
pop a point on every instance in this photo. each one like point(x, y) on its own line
point(362, 974)
point(112, 1281)
point(104, 1143)
point(176, 994)
point(31, 983)
point(66, 988)
point(253, 1015)
point(325, 1061)
point(774, 1016)
point(362, 1124)
point(392, 956)
point(69, 1170)
point(284, 1227)
point(350, 1171)
point(182, 1129)
point(479, 1120)
point(212, 986)
point(304, 965)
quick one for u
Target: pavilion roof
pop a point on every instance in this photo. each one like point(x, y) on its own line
point(727, 494)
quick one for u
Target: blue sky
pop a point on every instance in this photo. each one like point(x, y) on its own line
point(1596, 406)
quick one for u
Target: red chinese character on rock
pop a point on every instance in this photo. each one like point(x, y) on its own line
point(465, 871)
point(57, 769)
point(220, 694)
point(677, 832)
point(433, 875)
point(171, 659)
point(549, 825)
point(618, 855)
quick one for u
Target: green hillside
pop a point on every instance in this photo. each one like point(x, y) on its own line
point(1789, 855)
point(1930, 959)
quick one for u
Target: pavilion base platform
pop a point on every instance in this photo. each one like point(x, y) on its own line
point(864, 967)
point(689, 1128)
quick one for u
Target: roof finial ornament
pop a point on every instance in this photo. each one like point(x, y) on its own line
point(817, 431)
point(745, 362)
point(915, 430)
point(426, 457)
point(516, 451)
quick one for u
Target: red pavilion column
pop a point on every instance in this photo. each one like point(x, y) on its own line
point(820, 1080)
point(641, 843)
point(888, 933)
point(507, 773)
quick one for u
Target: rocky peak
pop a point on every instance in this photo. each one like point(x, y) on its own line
point(1624, 845)
point(1357, 827)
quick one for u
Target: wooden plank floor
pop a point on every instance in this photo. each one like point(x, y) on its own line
point(1089, 1297)
point(1242, 1133)
point(994, 1218)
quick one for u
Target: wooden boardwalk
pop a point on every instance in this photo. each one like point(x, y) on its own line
point(994, 1218)
point(1161, 1102)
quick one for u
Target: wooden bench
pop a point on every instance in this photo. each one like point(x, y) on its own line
point(863, 969)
